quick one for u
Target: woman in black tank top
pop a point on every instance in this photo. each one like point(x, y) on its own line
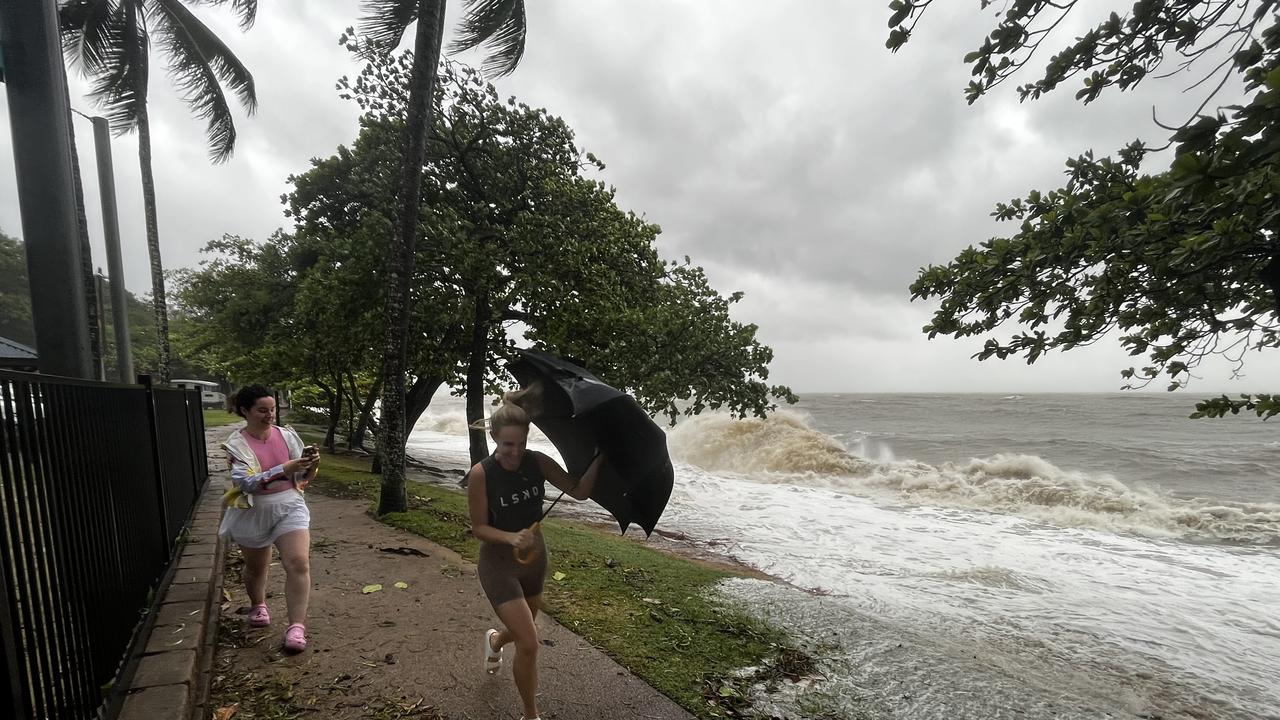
point(504, 495)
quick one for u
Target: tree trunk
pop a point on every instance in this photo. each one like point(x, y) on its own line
point(159, 304)
point(400, 258)
point(356, 439)
point(1270, 275)
point(335, 409)
point(475, 377)
point(353, 401)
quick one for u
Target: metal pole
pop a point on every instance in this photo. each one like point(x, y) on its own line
point(101, 318)
point(36, 84)
point(162, 494)
point(111, 232)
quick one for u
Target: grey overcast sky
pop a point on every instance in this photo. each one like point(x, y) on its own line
point(778, 144)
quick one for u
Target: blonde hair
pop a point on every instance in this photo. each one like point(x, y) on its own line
point(518, 408)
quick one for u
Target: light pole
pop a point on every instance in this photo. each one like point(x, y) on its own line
point(111, 234)
point(36, 85)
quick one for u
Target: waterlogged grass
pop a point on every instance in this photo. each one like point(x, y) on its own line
point(650, 611)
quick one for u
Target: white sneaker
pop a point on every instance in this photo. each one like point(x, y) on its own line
point(492, 659)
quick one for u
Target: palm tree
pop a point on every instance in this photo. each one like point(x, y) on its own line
point(500, 26)
point(110, 41)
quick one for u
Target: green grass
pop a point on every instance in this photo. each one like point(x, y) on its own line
point(213, 417)
point(649, 610)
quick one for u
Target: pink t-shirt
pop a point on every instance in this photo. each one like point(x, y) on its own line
point(270, 452)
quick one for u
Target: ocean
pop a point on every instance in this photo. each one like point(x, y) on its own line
point(985, 556)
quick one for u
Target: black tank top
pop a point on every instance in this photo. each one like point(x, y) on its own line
point(515, 498)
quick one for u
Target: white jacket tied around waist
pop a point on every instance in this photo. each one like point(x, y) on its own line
point(247, 477)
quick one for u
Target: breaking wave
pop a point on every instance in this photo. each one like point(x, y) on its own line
point(446, 422)
point(785, 449)
point(783, 443)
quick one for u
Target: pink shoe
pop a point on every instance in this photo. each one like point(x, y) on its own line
point(295, 638)
point(259, 617)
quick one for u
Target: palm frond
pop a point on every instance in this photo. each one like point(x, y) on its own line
point(500, 26)
point(384, 22)
point(120, 87)
point(87, 33)
point(198, 60)
point(246, 10)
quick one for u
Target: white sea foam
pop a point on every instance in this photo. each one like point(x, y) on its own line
point(785, 448)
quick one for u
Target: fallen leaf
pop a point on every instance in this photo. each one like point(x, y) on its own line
point(404, 551)
point(402, 585)
point(371, 588)
point(559, 576)
point(225, 713)
point(652, 601)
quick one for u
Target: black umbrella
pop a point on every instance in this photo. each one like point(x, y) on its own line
point(581, 416)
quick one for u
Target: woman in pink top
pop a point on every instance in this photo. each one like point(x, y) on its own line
point(269, 468)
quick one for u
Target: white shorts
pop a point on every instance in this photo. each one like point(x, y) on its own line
point(271, 516)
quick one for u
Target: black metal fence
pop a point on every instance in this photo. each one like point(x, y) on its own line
point(96, 483)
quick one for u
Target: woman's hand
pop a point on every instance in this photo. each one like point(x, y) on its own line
point(525, 539)
point(301, 464)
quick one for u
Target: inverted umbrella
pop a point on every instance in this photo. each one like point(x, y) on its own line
point(582, 416)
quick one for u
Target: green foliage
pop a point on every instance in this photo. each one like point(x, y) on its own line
point(16, 318)
point(15, 292)
point(1183, 263)
point(1266, 406)
point(671, 340)
point(238, 307)
point(1117, 250)
point(1119, 51)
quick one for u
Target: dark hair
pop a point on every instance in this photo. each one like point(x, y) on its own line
point(248, 396)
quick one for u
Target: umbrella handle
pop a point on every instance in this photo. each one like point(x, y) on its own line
point(529, 554)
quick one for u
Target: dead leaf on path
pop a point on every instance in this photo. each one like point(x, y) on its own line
point(404, 551)
point(402, 585)
point(225, 713)
point(371, 588)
